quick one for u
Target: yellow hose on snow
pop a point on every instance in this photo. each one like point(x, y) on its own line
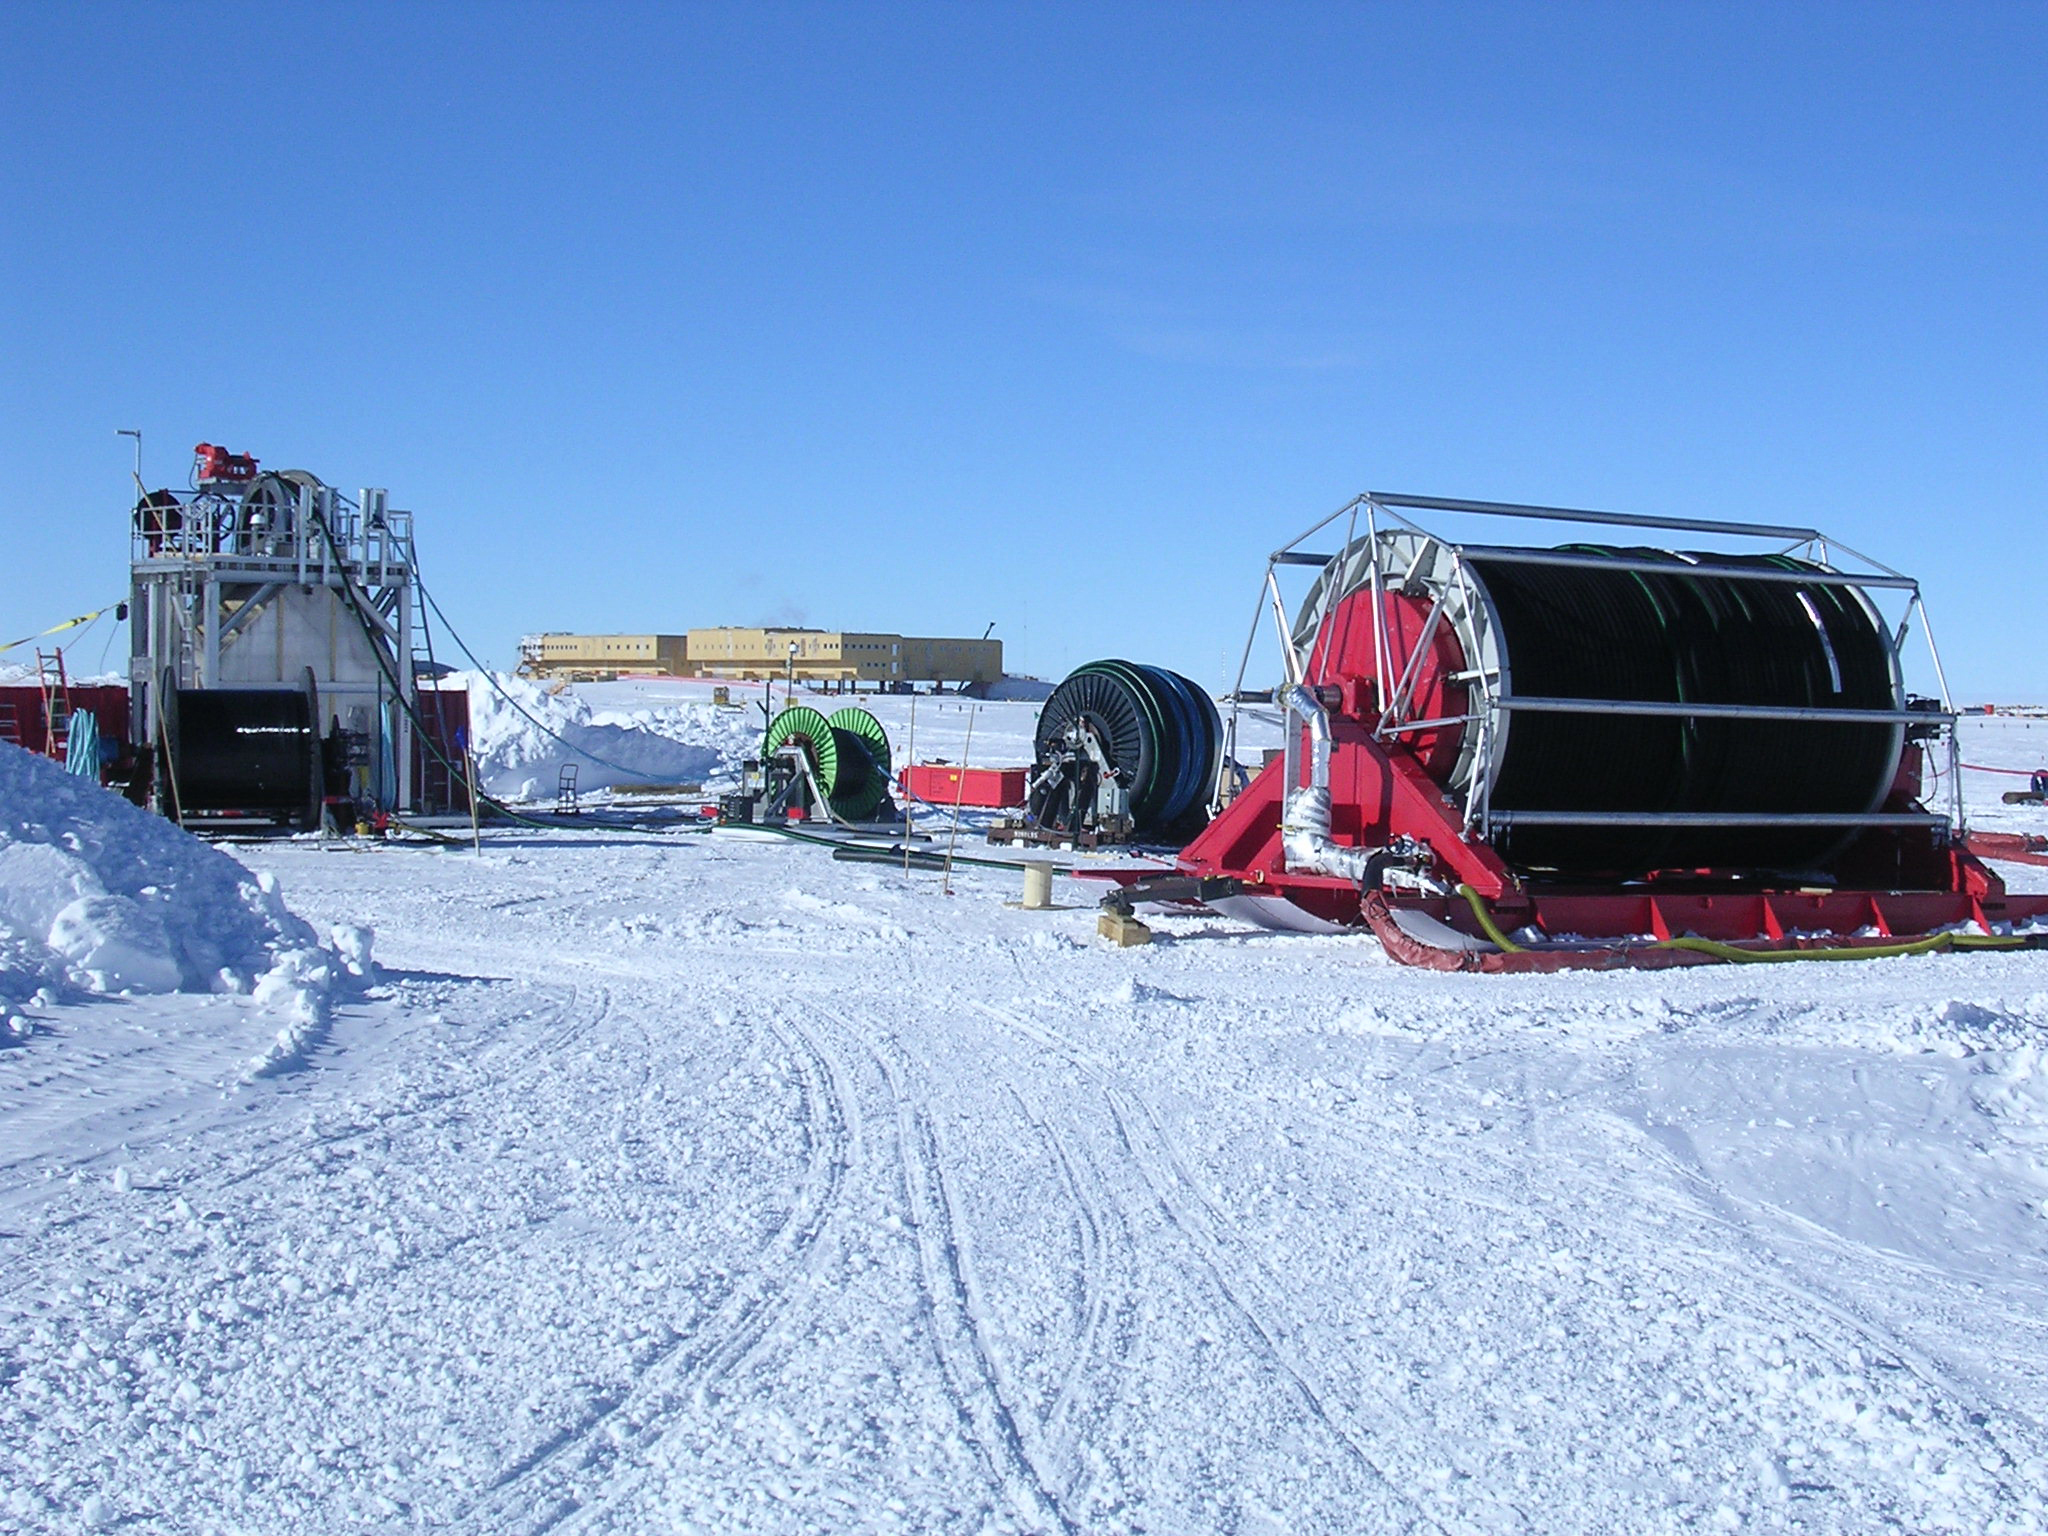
point(1740, 956)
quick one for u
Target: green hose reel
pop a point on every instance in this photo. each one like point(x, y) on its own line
point(848, 756)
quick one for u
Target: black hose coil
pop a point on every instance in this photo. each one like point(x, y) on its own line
point(1159, 732)
point(1684, 638)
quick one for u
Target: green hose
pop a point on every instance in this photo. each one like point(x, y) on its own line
point(835, 842)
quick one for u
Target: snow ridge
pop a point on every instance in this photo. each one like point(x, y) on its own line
point(99, 896)
point(523, 736)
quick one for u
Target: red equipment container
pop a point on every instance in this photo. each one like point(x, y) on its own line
point(437, 768)
point(946, 784)
point(25, 718)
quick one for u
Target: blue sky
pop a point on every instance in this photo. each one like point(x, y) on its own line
point(1057, 317)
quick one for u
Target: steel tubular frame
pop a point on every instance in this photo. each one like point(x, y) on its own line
point(1717, 819)
point(1492, 704)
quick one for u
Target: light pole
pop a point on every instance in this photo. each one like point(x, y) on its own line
point(789, 686)
point(136, 433)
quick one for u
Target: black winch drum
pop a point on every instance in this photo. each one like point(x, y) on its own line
point(1672, 637)
point(1159, 731)
point(244, 751)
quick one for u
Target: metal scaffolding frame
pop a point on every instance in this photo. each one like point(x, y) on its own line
point(205, 572)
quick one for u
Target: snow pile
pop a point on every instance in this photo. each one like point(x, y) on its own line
point(99, 896)
point(13, 674)
point(518, 759)
point(1012, 688)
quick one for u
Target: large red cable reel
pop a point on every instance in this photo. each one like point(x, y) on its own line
point(1409, 788)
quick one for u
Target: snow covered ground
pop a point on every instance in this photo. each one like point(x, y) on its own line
point(692, 1183)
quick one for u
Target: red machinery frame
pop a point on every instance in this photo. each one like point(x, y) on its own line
point(1397, 699)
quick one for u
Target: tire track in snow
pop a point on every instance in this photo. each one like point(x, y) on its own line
point(209, 1191)
point(1804, 1310)
point(1189, 1211)
point(1237, 1275)
point(576, 1022)
point(540, 1491)
point(1749, 1279)
point(1106, 1304)
point(955, 1314)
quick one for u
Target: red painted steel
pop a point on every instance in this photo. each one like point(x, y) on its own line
point(439, 768)
point(2018, 847)
point(25, 722)
point(1342, 659)
point(211, 463)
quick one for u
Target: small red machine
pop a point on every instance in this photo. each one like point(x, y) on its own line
point(214, 467)
point(1501, 757)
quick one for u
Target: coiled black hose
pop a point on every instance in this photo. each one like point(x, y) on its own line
point(1159, 732)
point(1684, 637)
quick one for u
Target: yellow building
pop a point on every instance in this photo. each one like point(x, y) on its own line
point(941, 660)
point(595, 656)
point(841, 658)
point(819, 655)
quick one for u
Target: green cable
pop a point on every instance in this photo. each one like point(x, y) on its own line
point(959, 858)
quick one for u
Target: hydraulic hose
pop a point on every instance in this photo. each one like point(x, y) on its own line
point(1740, 956)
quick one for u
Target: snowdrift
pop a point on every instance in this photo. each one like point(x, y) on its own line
point(98, 896)
point(681, 743)
point(1012, 689)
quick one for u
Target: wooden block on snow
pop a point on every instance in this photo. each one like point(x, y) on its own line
point(1122, 931)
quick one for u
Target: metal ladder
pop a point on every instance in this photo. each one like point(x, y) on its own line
point(56, 689)
point(442, 783)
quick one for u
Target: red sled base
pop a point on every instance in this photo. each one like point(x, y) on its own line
point(1896, 890)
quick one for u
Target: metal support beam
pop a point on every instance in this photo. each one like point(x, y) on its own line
point(1502, 819)
point(1509, 555)
point(251, 607)
point(1724, 711)
point(209, 619)
point(1578, 515)
point(409, 689)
